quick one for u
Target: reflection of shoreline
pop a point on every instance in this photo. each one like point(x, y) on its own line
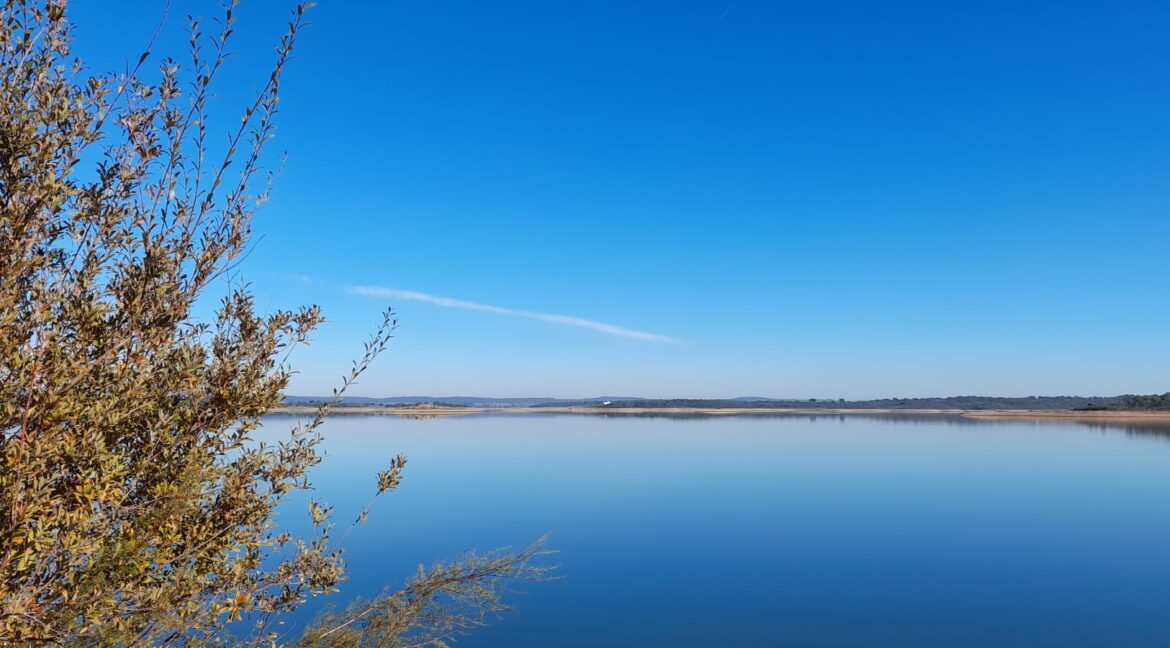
point(1133, 423)
point(430, 411)
point(1098, 416)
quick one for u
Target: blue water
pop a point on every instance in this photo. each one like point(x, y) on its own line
point(790, 530)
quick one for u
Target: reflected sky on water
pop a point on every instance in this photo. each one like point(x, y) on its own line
point(826, 530)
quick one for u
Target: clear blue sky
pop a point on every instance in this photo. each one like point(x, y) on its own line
point(814, 199)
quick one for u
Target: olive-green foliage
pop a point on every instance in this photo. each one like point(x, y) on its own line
point(1133, 402)
point(135, 509)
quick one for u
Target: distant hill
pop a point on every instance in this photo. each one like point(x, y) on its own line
point(1123, 402)
point(1131, 402)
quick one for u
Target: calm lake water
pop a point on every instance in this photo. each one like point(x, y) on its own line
point(784, 530)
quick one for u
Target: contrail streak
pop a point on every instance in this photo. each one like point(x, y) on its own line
point(447, 302)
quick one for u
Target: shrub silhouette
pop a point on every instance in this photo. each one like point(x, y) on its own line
point(135, 509)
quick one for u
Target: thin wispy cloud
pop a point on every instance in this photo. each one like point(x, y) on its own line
point(565, 320)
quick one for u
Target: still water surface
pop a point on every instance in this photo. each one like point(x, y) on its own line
point(779, 530)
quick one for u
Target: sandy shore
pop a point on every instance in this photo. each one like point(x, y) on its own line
point(412, 412)
point(712, 411)
point(429, 412)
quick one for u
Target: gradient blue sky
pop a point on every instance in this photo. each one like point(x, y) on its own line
point(816, 199)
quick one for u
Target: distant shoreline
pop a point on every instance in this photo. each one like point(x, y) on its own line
point(442, 411)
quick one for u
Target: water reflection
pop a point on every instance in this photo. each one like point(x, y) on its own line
point(831, 529)
point(1153, 427)
point(1159, 428)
